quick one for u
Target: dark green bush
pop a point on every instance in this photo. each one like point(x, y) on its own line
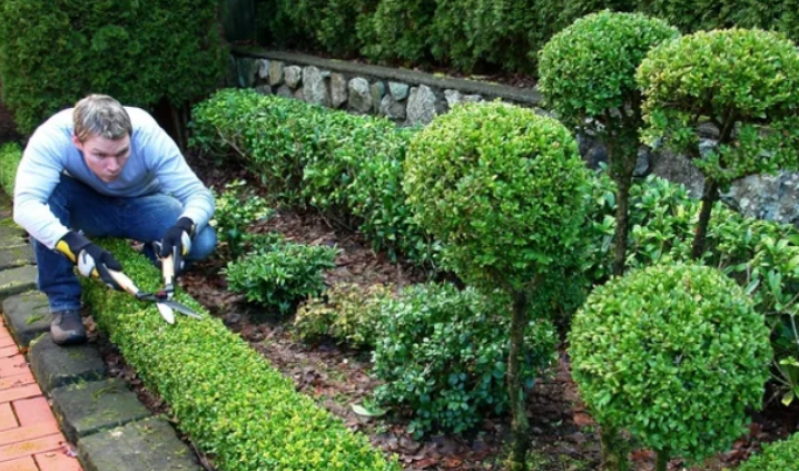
point(54, 53)
point(348, 313)
point(236, 210)
point(676, 354)
point(779, 456)
point(398, 29)
point(220, 391)
point(442, 355)
point(10, 157)
point(280, 275)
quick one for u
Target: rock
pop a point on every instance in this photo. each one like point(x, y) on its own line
point(338, 90)
point(398, 90)
point(770, 197)
point(391, 108)
point(284, 91)
point(232, 79)
point(298, 94)
point(293, 76)
point(275, 73)
point(247, 71)
point(314, 89)
point(642, 162)
point(678, 169)
point(378, 89)
point(264, 89)
point(421, 105)
point(263, 68)
point(360, 97)
point(455, 97)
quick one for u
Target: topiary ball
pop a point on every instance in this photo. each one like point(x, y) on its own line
point(590, 66)
point(675, 354)
point(501, 187)
point(745, 83)
point(779, 456)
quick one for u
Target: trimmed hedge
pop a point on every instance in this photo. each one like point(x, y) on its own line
point(778, 456)
point(345, 165)
point(10, 156)
point(224, 395)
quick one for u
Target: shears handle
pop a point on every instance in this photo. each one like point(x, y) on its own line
point(168, 270)
point(124, 282)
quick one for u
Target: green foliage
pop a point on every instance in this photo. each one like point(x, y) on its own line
point(398, 29)
point(588, 69)
point(10, 157)
point(54, 53)
point(349, 313)
point(236, 210)
point(779, 456)
point(280, 275)
point(743, 82)
point(220, 391)
point(345, 165)
point(501, 188)
point(676, 354)
point(442, 356)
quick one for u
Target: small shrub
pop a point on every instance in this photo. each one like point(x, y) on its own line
point(442, 356)
point(236, 210)
point(779, 456)
point(10, 157)
point(281, 275)
point(349, 313)
point(676, 354)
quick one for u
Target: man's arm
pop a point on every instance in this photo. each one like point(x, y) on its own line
point(177, 178)
point(38, 174)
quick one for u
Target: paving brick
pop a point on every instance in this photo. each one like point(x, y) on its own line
point(16, 256)
point(55, 366)
point(6, 352)
point(145, 445)
point(7, 342)
point(57, 461)
point(27, 316)
point(11, 236)
point(7, 418)
point(28, 433)
point(87, 408)
point(13, 366)
point(22, 464)
point(20, 392)
point(33, 411)
point(17, 280)
point(8, 382)
point(32, 447)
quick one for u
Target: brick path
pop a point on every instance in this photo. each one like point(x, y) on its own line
point(29, 436)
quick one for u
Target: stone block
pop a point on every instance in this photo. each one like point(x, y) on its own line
point(17, 280)
point(293, 76)
point(27, 316)
point(84, 409)
point(146, 445)
point(11, 235)
point(275, 73)
point(360, 95)
point(16, 256)
point(55, 366)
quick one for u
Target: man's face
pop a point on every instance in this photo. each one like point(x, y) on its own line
point(105, 157)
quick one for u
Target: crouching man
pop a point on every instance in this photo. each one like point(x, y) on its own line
point(104, 170)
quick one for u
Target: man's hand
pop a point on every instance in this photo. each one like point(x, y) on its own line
point(177, 242)
point(91, 260)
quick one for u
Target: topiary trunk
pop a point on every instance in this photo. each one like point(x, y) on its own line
point(614, 450)
point(709, 197)
point(520, 427)
point(662, 461)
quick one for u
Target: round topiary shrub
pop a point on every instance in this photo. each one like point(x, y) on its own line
point(779, 456)
point(501, 187)
point(675, 354)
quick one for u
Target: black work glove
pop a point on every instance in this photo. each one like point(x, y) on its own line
point(177, 242)
point(91, 260)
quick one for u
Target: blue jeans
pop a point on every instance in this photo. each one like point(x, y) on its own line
point(79, 207)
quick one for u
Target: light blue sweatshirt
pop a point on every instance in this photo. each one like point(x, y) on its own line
point(155, 165)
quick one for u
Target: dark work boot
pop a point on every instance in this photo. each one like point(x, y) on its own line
point(67, 327)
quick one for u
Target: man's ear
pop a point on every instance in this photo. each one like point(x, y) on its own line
point(77, 142)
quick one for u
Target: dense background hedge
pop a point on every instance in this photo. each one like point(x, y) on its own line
point(54, 52)
point(485, 35)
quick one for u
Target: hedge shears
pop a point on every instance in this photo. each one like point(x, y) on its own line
point(162, 298)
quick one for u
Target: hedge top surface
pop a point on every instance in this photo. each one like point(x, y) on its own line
point(779, 456)
point(675, 354)
point(742, 81)
point(590, 66)
point(501, 187)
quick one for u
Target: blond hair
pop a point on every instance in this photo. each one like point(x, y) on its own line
point(100, 116)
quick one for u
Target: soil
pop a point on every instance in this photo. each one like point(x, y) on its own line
point(564, 436)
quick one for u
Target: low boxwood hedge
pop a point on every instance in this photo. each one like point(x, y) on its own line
point(778, 456)
point(10, 156)
point(231, 403)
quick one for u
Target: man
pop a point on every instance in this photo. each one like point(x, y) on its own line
point(104, 170)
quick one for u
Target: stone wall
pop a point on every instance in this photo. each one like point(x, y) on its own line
point(413, 98)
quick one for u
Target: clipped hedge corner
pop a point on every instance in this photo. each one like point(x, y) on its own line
point(223, 394)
